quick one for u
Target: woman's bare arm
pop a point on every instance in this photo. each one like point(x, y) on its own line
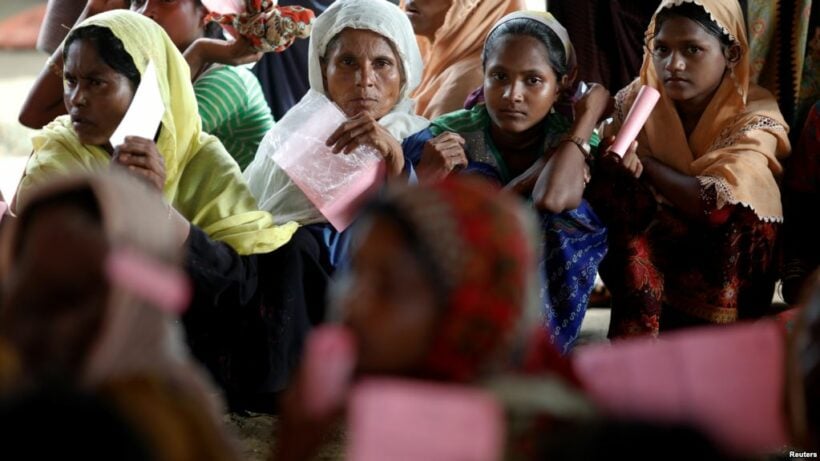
point(45, 100)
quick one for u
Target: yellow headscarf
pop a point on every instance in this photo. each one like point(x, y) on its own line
point(740, 136)
point(202, 181)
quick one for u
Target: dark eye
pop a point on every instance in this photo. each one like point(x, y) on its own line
point(534, 81)
point(382, 63)
point(348, 61)
point(692, 49)
point(660, 50)
point(70, 80)
point(500, 76)
point(95, 83)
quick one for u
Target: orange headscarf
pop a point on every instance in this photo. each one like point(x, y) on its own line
point(740, 136)
point(452, 61)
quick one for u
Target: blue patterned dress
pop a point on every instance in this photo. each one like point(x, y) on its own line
point(574, 242)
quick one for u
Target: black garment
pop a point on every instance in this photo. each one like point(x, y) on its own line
point(608, 36)
point(250, 314)
point(284, 76)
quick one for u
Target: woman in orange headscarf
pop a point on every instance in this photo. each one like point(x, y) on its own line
point(451, 34)
point(692, 241)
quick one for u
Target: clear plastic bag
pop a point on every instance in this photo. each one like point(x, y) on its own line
point(336, 184)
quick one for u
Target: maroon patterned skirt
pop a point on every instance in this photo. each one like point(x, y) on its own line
point(666, 271)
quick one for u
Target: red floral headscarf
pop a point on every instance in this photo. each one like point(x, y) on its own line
point(479, 248)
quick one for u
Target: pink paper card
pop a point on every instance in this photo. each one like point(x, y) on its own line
point(3, 208)
point(403, 420)
point(330, 359)
point(163, 286)
point(336, 184)
point(726, 381)
point(635, 119)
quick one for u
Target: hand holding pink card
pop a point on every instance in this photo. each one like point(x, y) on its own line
point(635, 119)
point(403, 420)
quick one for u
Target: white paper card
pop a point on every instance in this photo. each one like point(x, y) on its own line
point(145, 112)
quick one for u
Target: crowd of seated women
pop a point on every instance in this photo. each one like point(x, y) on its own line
point(472, 264)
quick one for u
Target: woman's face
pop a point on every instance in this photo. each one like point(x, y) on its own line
point(520, 86)
point(95, 95)
point(55, 293)
point(689, 60)
point(427, 16)
point(362, 73)
point(389, 306)
point(183, 20)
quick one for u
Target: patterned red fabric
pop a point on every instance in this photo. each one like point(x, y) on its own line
point(267, 26)
point(475, 238)
point(487, 301)
point(666, 271)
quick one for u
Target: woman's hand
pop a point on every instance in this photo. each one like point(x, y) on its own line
point(363, 129)
point(232, 52)
point(630, 161)
point(593, 104)
point(561, 183)
point(441, 156)
point(141, 157)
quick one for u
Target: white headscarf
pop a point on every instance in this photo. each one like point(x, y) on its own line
point(273, 189)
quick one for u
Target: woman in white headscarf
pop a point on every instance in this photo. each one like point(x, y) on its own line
point(364, 58)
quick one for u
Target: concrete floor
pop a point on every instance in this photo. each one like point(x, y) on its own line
point(17, 73)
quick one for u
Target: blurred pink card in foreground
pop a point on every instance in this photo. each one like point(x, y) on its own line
point(163, 286)
point(403, 420)
point(726, 381)
point(330, 359)
point(336, 184)
point(635, 119)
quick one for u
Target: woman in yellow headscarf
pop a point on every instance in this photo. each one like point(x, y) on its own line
point(692, 240)
point(252, 305)
point(452, 33)
point(197, 176)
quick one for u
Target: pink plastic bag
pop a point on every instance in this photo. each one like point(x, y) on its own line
point(404, 420)
point(336, 184)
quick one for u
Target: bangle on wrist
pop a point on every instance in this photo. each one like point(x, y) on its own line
point(582, 144)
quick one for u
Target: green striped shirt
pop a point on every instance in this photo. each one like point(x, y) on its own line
point(233, 109)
